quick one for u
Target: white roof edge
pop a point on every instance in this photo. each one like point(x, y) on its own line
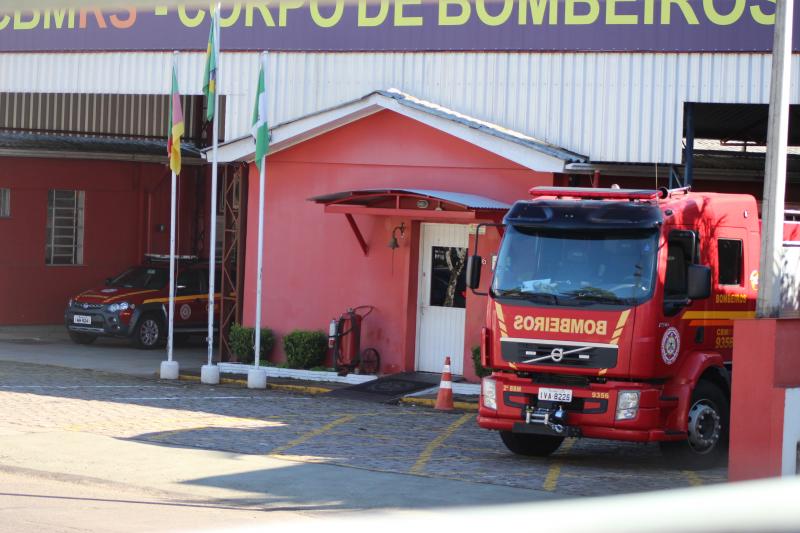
point(516, 147)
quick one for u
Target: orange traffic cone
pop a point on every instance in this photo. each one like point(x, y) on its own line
point(444, 400)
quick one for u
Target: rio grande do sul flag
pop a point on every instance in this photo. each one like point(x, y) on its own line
point(260, 129)
point(210, 75)
point(175, 127)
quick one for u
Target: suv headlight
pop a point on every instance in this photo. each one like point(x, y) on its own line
point(115, 308)
point(489, 391)
point(627, 404)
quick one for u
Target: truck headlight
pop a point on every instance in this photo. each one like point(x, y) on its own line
point(489, 392)
point(122, 306)
point(627, 404)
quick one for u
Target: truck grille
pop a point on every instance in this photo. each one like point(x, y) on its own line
point(85, 306)
point(568, 354)
point(560, 379)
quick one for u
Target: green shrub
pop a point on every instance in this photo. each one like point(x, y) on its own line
point(480, 370)
point(242, 342)
point(305, 349)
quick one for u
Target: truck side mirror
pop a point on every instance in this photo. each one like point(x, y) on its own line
point(474, 264)
point(698, 282)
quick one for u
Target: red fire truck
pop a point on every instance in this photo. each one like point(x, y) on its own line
point(610, 316)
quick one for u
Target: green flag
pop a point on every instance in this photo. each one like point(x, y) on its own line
point(260, 129)
point(210, 76)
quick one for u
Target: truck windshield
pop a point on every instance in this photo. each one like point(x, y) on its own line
point(576, 268)
point(141, 278)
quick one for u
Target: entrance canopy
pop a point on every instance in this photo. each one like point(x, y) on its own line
point(417, 204)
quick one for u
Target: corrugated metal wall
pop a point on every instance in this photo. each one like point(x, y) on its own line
point(611, 107)
point(106, 114)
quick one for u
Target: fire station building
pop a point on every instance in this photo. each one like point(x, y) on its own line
point(398, 130)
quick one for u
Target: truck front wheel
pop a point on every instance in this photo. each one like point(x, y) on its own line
point(530, 445)
point(707, 439)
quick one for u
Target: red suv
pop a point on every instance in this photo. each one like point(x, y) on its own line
point(135, 303)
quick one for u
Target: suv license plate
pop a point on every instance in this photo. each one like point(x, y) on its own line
point(555, 395)
point(82, 319)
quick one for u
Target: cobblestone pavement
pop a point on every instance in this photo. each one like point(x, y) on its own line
point(402, 439)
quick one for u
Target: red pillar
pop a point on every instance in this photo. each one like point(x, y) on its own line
point(766, 363)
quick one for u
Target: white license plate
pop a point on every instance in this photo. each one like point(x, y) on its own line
point(82, 319)
point(555, 395)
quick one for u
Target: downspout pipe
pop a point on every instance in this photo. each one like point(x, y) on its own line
point(689, 150)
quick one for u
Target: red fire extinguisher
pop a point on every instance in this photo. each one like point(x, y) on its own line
point(344, 337)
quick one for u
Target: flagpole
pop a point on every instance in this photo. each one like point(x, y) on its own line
point(257, 377)
point(211, 376)
point(173, 202)
point(261, 181)
point(170, 369)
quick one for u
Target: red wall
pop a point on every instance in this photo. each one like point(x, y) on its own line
point(765, 352)
point(116, 234)
point(313, 266)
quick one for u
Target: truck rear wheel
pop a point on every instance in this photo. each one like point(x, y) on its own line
point(530, 445)
point(707, 441)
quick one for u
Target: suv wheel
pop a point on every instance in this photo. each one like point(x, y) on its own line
point(82, 338)
point(149, 332)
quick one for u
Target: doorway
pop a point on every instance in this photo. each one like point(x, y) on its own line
point(441, 313)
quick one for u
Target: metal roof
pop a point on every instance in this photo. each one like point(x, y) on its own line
point(368, 196)
point(31, 144)
point(487, 127)
point(378, 100)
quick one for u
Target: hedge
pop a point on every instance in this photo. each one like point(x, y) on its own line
point(305, 349)
point(242, 343)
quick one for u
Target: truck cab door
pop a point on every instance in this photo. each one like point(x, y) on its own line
point(734, 294)
point(679, 331)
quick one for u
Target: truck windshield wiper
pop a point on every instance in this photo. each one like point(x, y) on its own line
point(528, 295)
point(593, 294)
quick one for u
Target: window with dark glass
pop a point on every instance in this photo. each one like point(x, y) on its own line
point(191, 282)
point(5, 203)
point(729, 260)
point(448, 277)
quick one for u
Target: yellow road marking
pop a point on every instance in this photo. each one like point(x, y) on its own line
point(693, 478)
point(426, 454)
point(551, 481)
point(311, 434)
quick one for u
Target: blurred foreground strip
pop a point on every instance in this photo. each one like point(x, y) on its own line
point(765, 506)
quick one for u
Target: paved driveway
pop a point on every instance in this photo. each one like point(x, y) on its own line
point(306, 429)
point(50, 345)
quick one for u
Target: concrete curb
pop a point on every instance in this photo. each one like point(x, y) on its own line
point(272, 386)
point(429, 402)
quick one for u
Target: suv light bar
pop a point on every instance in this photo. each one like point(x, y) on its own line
point(600, 194)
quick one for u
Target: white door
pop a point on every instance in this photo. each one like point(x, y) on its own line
point(441, 312)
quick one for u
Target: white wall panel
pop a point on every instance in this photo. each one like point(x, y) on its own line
point(611, 107)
